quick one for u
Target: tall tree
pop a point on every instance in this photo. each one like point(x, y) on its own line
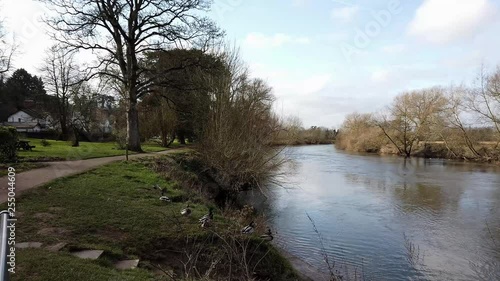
point(21, 86)
point(121, 32)
point(6, 52)
point(484, 100)
point(60, 74)
point(411, 117)
point(160, 118)
point(183, 83)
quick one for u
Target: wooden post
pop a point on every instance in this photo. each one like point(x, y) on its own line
point(126, 148)
point(126, 152)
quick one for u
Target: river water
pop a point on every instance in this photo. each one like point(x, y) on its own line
point(419, 219)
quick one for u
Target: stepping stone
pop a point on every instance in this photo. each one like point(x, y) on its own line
point(26, 245)
point(88, 254)
point(56, 247)
point(56, 231)
point(42, 216)
point(126, 264)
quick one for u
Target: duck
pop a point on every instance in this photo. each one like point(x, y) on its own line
point(165, 199)
point(206, 220)
point(163, 190)
point(268, 236)
point(249, 229)
point(206, 223)
point(186, 211)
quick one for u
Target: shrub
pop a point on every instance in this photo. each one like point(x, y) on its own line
point(8, 144)
point(236, 144)
point(45, 143)
point(359, 134)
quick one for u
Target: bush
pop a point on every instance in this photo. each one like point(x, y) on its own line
point(359, 134)
point(236, 144)
point(8, 144)
point(45, 143)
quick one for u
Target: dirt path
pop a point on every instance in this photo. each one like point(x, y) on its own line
point(33, 178)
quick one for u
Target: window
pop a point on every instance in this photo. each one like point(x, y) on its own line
point(19, 120)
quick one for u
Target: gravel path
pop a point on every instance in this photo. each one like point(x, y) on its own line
point(37, 177)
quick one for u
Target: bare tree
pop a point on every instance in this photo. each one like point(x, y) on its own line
point(455, 131)
point(484, 100)
point(360, 133)
point(121, 32)
point(6, 52)
point(60, 74)
point(411, 118)
point(240, 130)
point(160, 117)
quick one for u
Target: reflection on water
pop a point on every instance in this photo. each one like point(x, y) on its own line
point(364, 205)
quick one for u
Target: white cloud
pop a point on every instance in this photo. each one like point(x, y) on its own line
point(259, 40)
point(380, 75)
point(345, 14)
point(313, 84)
point(446, 21)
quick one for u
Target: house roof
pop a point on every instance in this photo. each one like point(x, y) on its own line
point(33, 113)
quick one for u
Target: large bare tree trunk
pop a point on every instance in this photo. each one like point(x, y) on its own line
point(64, 131)
point(134, 140)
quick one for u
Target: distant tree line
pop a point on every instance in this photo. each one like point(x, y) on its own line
point(461, 122)
point(294, 133)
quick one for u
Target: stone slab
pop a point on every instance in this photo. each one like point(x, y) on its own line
point(88, 254)
point(26, 245)
point(56, 247)
point(126, 264)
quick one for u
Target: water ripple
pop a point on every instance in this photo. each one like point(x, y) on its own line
point(365, 206)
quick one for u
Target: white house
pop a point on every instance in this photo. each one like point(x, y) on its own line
point(28, 120)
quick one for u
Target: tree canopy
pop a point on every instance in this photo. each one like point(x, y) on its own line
point(122, 32)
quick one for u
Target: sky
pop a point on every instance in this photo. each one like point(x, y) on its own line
point(328, 58)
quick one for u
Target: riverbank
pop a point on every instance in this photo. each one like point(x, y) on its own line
point(486, 152)
point(115, 209)
point(302, 142)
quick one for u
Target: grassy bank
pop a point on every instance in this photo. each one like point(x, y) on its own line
point(114, 208)
point(62, 150)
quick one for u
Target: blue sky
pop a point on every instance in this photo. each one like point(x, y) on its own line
point(328, 58)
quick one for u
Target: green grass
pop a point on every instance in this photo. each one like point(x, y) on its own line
point(62, 150)
point(114, 208)
point(41, 265)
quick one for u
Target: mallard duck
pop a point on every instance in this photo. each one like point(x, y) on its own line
point(163, 190)
point(206, 220)
point(268, 236)
point(249, 229)
point(206, 223)
point(186, 211)
point(165, 199)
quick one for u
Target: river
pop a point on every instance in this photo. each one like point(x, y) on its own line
point(419, 219)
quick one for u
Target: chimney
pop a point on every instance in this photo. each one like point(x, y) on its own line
point(28, 104)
